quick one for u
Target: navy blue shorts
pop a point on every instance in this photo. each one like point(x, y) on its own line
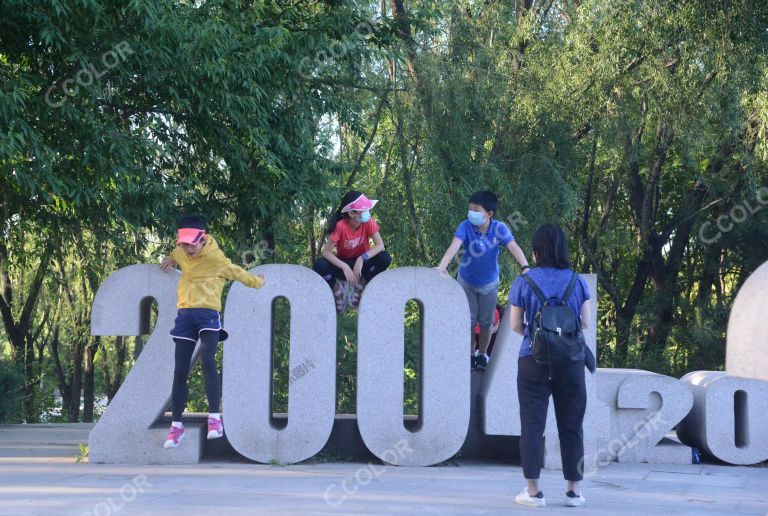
point(190, 322)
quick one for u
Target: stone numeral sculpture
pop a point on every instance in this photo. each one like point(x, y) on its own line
point(629, 412)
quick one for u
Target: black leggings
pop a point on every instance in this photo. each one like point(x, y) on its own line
point(569, 394)
point(209, 340)
point(371, 268)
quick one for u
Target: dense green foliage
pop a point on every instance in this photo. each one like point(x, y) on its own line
point(633, 124)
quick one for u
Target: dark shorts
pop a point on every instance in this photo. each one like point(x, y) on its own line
point(190, 322)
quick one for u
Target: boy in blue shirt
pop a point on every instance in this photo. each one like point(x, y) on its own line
point(480, 237)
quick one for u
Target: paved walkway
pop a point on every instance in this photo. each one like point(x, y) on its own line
point(39, 475)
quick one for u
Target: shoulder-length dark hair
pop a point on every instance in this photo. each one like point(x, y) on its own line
point(551, 247)
point(337, 216)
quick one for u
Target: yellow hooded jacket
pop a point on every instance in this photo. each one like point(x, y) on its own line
point(202, 277)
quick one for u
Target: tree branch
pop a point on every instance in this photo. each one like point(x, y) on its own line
point(368, 144)
point(37, 282)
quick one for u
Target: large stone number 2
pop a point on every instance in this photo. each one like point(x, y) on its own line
point(124, 434)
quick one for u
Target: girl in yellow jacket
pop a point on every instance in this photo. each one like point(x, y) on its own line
point(204, 268)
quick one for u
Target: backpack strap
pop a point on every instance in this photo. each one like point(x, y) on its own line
point(574, 277)
point(535, 288)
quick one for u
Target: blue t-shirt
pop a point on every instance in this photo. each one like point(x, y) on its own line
point(552, 283)
point(479, 264)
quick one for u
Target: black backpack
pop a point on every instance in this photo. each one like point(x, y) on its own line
point(555, 331)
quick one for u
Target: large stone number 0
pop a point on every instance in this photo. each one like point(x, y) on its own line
point(444, 374)
point(729, 417)
point(248, 370)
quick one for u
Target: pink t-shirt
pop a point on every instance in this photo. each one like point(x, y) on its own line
point(352, 243)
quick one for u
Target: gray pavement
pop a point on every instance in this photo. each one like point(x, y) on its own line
point(39, 475)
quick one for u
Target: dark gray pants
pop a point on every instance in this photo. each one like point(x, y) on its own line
point(209, 340)
point(482, 303)
point(569, 394)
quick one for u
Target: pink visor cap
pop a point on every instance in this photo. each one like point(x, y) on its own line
point(190, 235)
point(362, 203)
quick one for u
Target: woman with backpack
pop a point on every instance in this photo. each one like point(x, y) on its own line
point(549, 307)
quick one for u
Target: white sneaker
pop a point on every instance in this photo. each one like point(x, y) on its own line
point(531, 501)
point(574, 500)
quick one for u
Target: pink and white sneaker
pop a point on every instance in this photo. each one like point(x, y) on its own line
point(175, 435)
point(215, 427)
point(338, 295)
point(356, 292)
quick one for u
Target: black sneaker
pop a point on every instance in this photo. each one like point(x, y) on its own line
point(481, 362)
point(473, 361)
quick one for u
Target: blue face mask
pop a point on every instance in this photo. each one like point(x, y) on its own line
point(475, 218)
point(365, 216)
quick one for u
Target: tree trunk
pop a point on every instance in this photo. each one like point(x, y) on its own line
point(626, 313)
point(112, 384)
point(31, 379)
point(61, 376)
point(665, 281)
point(311, 234)
point(105, 374)
point(666, 273)
point(709, 272)
point(88, 379)
point(408, 186)
point(138, 346)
